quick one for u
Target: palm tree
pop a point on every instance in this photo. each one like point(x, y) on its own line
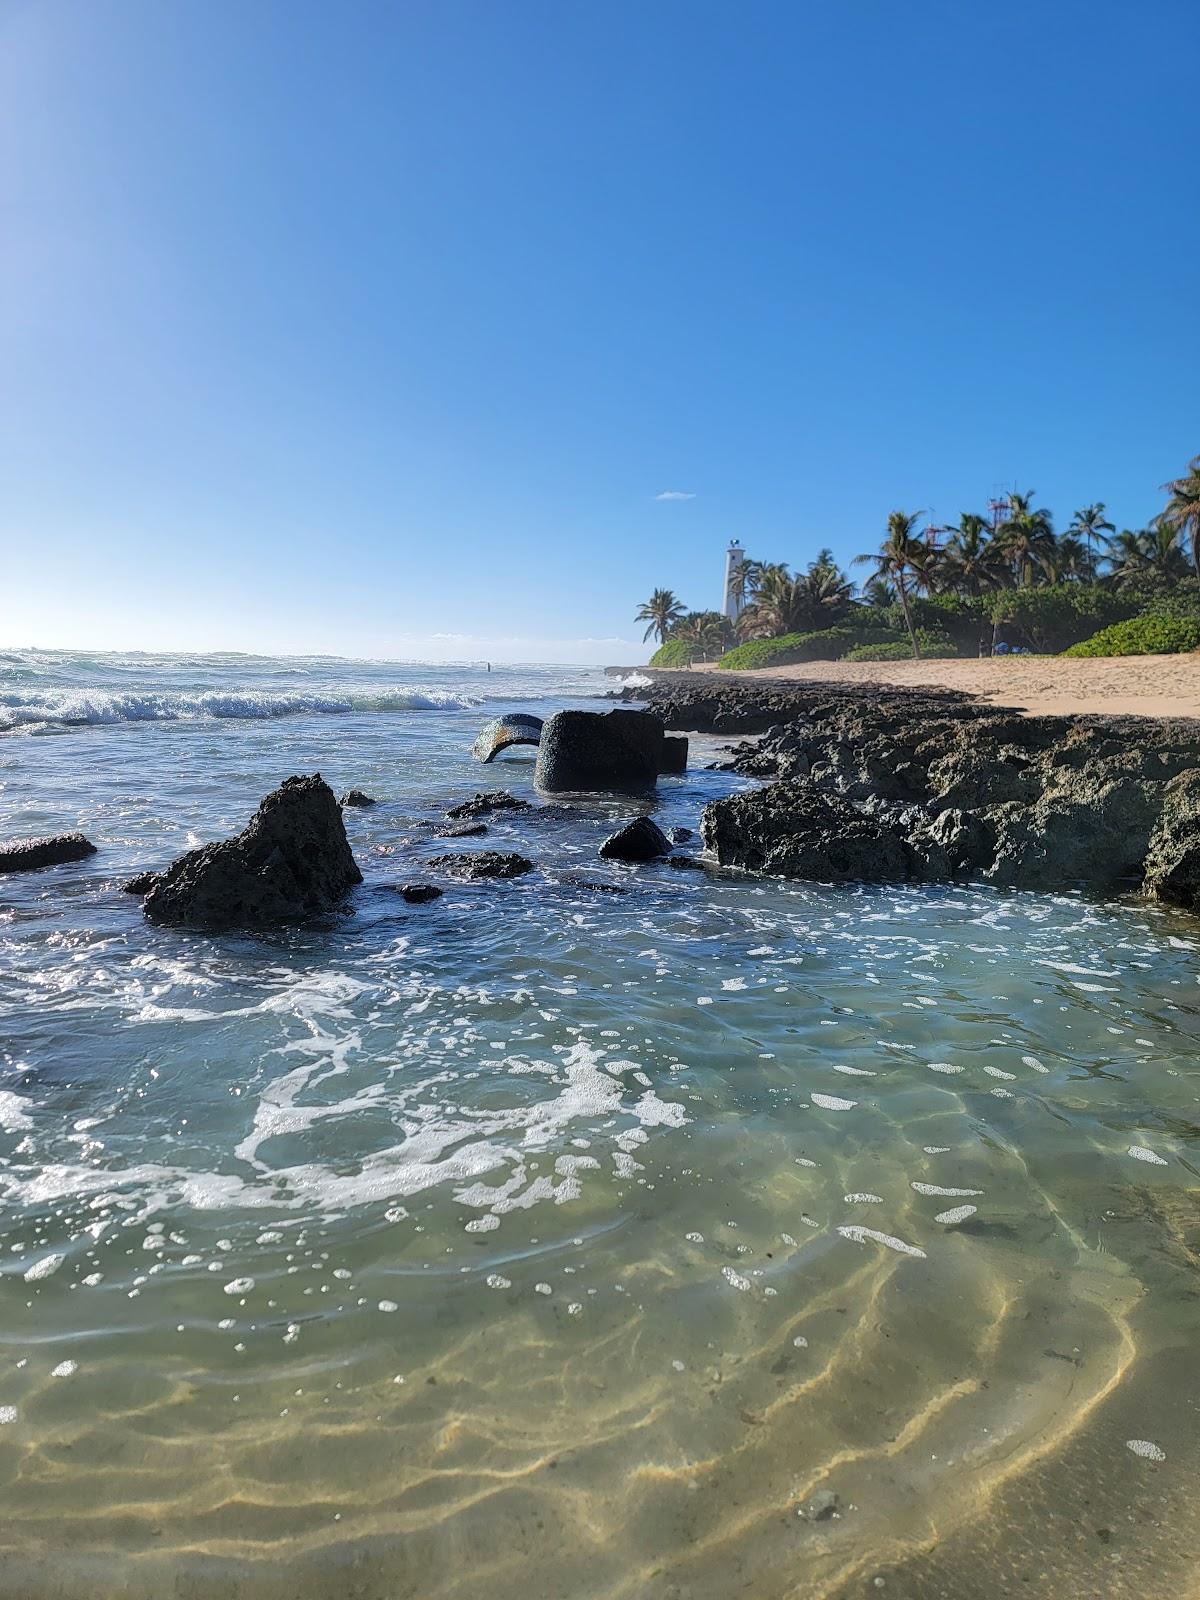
point(704, 631)
point(1090, 524)
point(970, 560)
point(1026, 536)
point(660, 614)
point(928, 567)
point(744, 577)
point(803, 602)
point(1182, 512)
point(1135, 556)
point(895, 560)
point(1070, 558)
point(828, 587)
point(879, 593)
point(778, 603)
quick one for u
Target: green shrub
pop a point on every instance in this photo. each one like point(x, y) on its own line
point(829, 644)
point(964, 619)
point(1178, 599)
point(865, 619)
point(934, 647)
point(675, 653)
point(1142, 636)
point(1049, 619)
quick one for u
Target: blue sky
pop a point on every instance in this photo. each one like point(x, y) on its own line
point(380, 329)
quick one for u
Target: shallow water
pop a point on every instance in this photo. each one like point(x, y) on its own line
point(541, 1241)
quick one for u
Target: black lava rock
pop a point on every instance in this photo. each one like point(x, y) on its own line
point(24, 855)
point(418, 893)
point(473, 864)
point(141, 883)
point(290, 863)
point(639, 840)
point(479, 805)
point(355, 797)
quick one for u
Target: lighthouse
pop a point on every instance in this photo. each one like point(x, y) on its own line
point(733, 598)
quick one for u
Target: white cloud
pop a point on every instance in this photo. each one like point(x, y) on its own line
point(675, 494)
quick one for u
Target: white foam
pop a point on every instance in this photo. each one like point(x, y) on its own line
point(833, 1102)
point(956, 1214)
point(1140, 1153)
point(735, 1279)
point(947, 1067)
point(13, 1115)
point(856, 1232)
point(1147, 1449)
point(239, 1286)
point(863, 1199)
point(936, 1188)
point(97, 707)
point(45, 1268)
point(64, 1369)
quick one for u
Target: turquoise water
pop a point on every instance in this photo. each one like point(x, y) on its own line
point(543, 1241)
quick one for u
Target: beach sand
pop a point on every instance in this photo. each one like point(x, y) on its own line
point(1144, 686)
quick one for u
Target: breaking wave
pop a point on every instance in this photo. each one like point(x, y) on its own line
point(49, 709)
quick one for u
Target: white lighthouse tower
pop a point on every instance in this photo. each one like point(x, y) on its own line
point(733, 599)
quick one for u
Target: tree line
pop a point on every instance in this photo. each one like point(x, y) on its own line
point(1018, 550)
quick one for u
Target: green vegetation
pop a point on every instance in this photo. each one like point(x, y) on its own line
point(1008, 579)
point(827, 644)
point(1142, 636)
point(933, 647)
point(676, 653)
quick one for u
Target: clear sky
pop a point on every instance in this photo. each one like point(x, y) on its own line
point(383, 328)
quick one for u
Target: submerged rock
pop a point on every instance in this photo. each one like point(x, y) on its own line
point(466, 830)
point(685, 863)
point(418, 893)
point(594, 750)
point(483, 864)
point(25, 855)
point(680, 835)
point(821, 1506)
point(355, 797)
point(502, 732)
point(481, 805)
point(291, 862)
point(576, 880)
point(639, 840)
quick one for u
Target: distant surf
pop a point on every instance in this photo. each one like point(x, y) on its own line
point(55, 691)
point(66, 709)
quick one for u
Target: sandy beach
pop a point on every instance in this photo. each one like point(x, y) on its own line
point(1144, 686)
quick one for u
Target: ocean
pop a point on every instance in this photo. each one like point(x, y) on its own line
point(723, 1236)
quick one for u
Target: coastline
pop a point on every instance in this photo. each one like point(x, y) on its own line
point(1137, 686)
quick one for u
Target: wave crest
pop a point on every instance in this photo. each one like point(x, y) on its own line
point(28, 712)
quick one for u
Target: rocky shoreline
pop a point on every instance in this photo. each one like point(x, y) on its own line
point(921, 787)
point(903, 786)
